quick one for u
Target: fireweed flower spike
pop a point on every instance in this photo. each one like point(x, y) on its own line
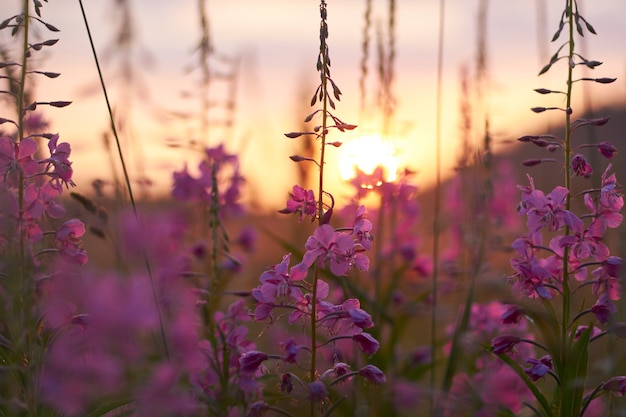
point(298, 291)
point(559, 269)
point(36, 240)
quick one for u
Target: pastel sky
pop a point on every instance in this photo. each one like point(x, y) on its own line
point(276, 42)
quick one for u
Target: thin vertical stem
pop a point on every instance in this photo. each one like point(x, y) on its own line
point(126, 177)
point(365, 50)
point(320, 204)
point(437, 203)
point(205, 51)
point(24, 307)
point(568, 177)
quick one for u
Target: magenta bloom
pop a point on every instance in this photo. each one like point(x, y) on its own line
point(603, 309)
point(16, 158)
point(616, 385)
point(361, 318)
point(303, 302)
point(187, 188)
point(340, 369)
point(337, 248)
point(249, 362)
point(317, 391)
point(257, 409)
point(532, 274)
point(62, 170)
point(291, 349)
point(539, 367)
point(279, 281)
point(547, 210)
point(512, 314)
point(362, 228)
point(301, 201)
point(613, 265)
point(607, 149)
point(580, 166)
point(504, 344)
point(286, 385)
point(68, 241)
point(366, 343)
point(373, 374)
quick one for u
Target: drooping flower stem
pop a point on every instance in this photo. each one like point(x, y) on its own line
point(129, 188)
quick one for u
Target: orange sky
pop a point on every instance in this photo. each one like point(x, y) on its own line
point(277, 42)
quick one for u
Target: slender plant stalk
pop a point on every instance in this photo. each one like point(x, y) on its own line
point(365, 47)
point(565, 319)
point(25, 309)
point(320, 203)
point(437, 204)
point(126, 177)
point(205, 51)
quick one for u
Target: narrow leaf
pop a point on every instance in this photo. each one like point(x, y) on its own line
point(541, 399)
point(575, 373)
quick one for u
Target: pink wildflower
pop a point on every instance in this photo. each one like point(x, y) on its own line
point(539, 367)
point(59, 162)
point(603, 309)
point(291, 349)
point(616, 385)
point(285, 383)
point(249, 362)
point(504, 344)
point(301, 201)
point(317, 391)
point(580, 166)
point(512, 314)
point(366, 343)
point(362, 228)
point(337, 248)
point(373, 374)
point(257, 409)
point(607, 149)
point(68, 241)
point(16, 158)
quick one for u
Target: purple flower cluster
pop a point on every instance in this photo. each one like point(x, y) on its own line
point(29, 191)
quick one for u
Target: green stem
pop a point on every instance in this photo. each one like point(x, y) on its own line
point(436, 208)
point(568, 175)
point(320, 204)
point(126, 178)
point(25, 335)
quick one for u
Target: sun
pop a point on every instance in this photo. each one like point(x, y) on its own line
point(366, 153)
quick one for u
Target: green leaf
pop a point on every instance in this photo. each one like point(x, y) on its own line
point(574, 375)
point(116, 408)
point(541, 399)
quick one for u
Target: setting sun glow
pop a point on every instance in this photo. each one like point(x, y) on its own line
point(366, 153)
